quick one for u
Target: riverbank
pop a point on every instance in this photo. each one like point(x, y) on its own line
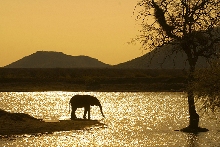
point(20, 124)
point(62, 86)
point(100, 80)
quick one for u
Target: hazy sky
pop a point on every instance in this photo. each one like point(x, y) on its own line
point(96, 28)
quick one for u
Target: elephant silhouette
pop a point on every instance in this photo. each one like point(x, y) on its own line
point(80, 101)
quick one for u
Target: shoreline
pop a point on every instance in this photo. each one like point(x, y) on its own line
point(12, 124)
point(60, 86)
point(102, 80)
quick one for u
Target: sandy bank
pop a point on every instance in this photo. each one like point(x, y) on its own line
point(20, 123)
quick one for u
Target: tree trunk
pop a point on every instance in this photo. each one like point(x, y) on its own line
point(194, 117)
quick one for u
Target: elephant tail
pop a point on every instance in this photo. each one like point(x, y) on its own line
point(100, 106)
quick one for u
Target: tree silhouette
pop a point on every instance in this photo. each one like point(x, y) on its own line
point(191, 26)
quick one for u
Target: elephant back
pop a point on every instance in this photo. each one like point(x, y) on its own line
point(84, 100)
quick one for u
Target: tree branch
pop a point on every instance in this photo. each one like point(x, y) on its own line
point(159, 14)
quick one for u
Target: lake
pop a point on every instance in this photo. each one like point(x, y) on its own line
point(132, 119)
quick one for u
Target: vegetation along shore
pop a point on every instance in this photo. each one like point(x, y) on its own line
point(69, 79)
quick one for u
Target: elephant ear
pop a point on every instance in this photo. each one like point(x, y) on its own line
point(94, 101)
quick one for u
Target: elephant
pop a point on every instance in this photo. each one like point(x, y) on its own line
point(79, 101)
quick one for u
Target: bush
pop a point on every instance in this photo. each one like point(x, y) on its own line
point(207, 86)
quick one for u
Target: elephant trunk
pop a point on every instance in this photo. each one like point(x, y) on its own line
point(100, 106)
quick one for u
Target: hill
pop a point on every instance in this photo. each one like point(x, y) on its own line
point(162, 58)
point(159, 58)
point(50, 59)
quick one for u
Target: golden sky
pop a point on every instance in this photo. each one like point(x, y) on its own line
point(96, 28)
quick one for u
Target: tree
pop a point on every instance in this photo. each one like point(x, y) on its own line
point(191, 26)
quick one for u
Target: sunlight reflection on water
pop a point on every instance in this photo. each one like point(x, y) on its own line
point(132, 119)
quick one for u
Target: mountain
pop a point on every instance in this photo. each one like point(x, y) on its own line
point(162, 58)
point(159, 58)
point(50, 59)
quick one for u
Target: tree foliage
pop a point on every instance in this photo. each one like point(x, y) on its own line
point(191, 26)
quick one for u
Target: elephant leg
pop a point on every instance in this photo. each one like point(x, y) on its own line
point(86, 109)
point(89, 113)
point(73, 115)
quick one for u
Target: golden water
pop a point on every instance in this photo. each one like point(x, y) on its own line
point(132, 119)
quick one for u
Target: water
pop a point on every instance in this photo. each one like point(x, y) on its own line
point(132, 119)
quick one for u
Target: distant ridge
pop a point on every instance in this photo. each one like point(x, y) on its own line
point(51, 59)
point(159, 58)
point(162, 58)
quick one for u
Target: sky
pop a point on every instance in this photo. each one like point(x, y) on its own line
point(97, 28)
